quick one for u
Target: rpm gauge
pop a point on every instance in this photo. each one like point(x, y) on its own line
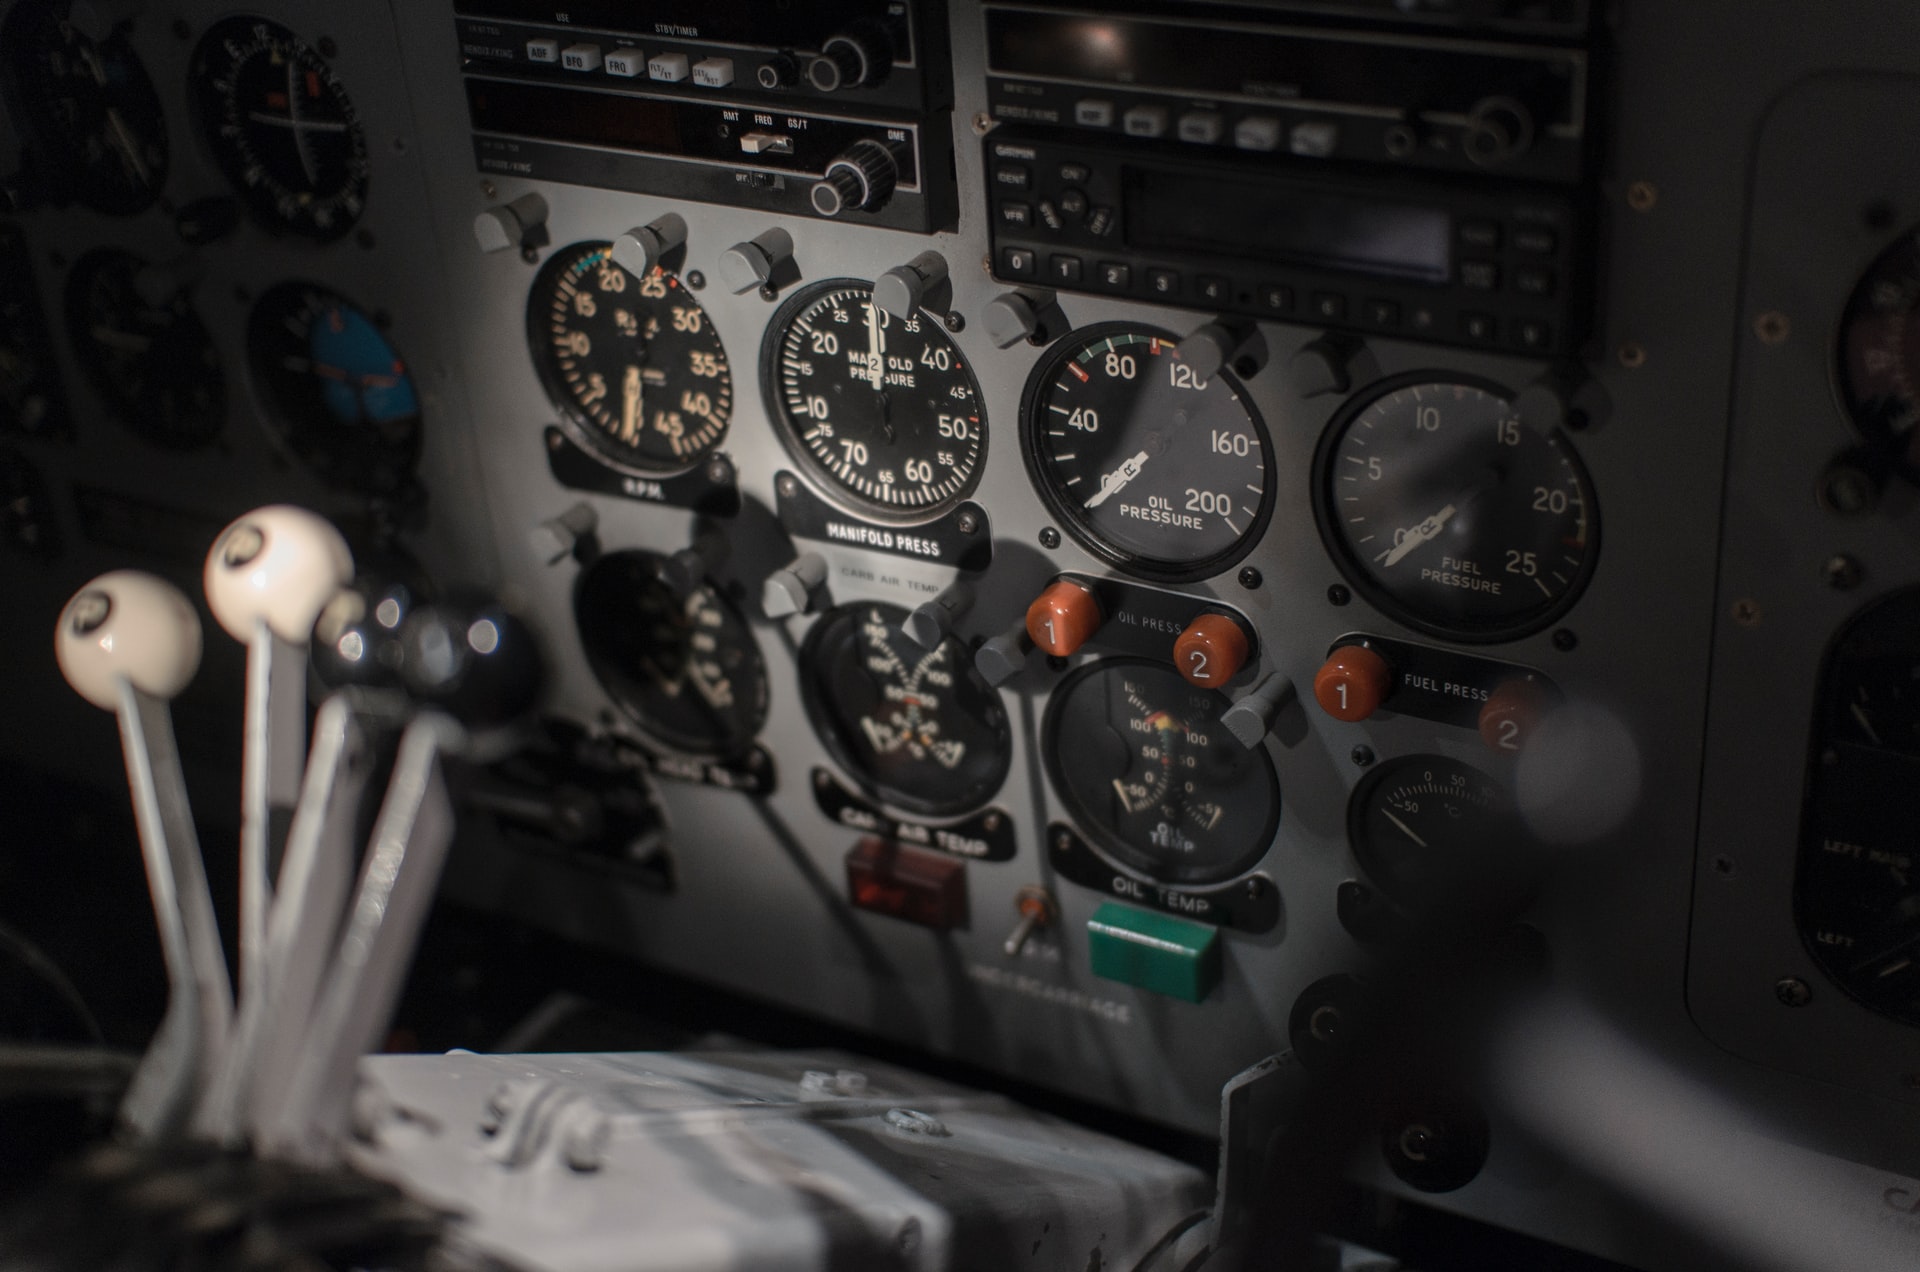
point(1141, 762)
point(685, 668)
point(1452, 515)
point(1880, 356)
point(1159, 470)
point(154, 364)
point(880, 410)
point(280, 124)
point(335, 387)
point(916, 728)
point(89, 106)
point(634, 363)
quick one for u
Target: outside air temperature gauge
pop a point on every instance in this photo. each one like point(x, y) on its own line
point(1140, 759)
point(920, 730)
point(1437, 835)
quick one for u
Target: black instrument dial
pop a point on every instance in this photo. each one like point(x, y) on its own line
point(881, 410)
point(917, 729)
point(1451, 515)
point(155, 365)
point(282, 127)
point(1879, 354)
point(1161, 471)
point(335, 387)
point(686, 669)
point(88, 108)
point(1141, 762)
point(1440, 837)
point(31, 398)
point(634, 364)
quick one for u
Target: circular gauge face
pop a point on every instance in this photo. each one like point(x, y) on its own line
point(1160, 471)
point(1141, 762)
point(154, 364)
point(880, 410)
point(89, 107)
point(1879, 356)
point(338, 392)
point(1438, 835)
point(282, 127)
point(917, 729)
point(635, 366)
point(1451, 515)
point(686, 669)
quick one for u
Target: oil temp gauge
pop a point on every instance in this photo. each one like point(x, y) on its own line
point(917, 729)
point(1139, 758)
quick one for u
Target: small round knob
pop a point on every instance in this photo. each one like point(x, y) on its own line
point(1511, 713)
point(472, 659)
point(1211, 651)
point(279, 565)
point(860, 180)
point(1498, 129)
point(777, 72)
point(1352, 683)
point(127, 625)
point(1064, 617)
point(851, 59)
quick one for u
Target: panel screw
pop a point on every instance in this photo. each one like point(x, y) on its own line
point(1723, 866)
point(1746, 612)
point(1338, 594)
point(768, 292)
point(719, 471)
point(991, 821)
point(1642, 195)
point(1249, 578)
point(1565, 641)
point(968, 522)
point(1842, 572)
point(1362, 755)
point(554, 441)
point(1256, 888)
point(696, 279)
point(530, 254)
point(983, 123)
point(1632, 355)
point(1792, 991)
point(787, 485)
point(1772, 327)
point(488, 190)
point(956, 321)
point(1848, 489)
point(1049, 538)
point(1063, 842)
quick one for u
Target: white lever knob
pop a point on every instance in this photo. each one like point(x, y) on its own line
point(279, 565)
point(127, 625)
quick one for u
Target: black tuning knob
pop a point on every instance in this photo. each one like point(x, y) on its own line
point(855, 58)
point(1499, 129)
point(356, 640)
point(471, 659)
point(860, 180)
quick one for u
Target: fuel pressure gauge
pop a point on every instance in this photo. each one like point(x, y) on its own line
point(1140, 759)
point(1451, 514)
point(1162, 471)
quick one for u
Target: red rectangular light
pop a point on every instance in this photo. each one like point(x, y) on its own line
point(906, 883)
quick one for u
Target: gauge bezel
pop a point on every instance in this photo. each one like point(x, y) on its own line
point(598, 662)
point(808, 464)
point(1151, 568)
point(203, 67)
point(282, 422)
point(813, 702)
point(1360, 840)
point(1355, 571)
point(1111, 848)
point(581, 431)
point(1839, 382)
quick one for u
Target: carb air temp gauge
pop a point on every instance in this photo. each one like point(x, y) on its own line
point(1453, 516)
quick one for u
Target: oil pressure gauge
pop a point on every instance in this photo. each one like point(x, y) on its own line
point(1451, 514)
point(1141, 761)
point(916, 728)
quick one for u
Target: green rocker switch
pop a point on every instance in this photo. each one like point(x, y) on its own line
point(1154, 951)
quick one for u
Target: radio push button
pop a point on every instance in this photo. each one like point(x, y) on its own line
point(626, 63)
point(1093, 112)
point(1201, 126)
point(1145, 121)
point(668, 68)
point(581, 57)
point(543, 50)
point(1257, 132)
point(713, 72)
point(1316, 139)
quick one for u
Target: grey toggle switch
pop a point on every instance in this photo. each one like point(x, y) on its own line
point(1004, 656)
point(1251, 717)
point(794, 588)
point(903, 290)
point(520, 223)
point(933, 622)
point(640, 249)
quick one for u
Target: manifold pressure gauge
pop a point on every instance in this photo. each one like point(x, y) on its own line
point(881, 411)
point(280, 124)
point(1161, 471)
point(1139, 758)
point(918, 729)
point(633, 363)
point(1452, 515)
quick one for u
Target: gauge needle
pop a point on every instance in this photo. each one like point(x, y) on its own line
point(876, 348)
point(293, 118)
point(1120, 789)
point(630, 405)
point(129, 152)
point(1426, 532)
point(1405, 829)
point(1111, 484)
